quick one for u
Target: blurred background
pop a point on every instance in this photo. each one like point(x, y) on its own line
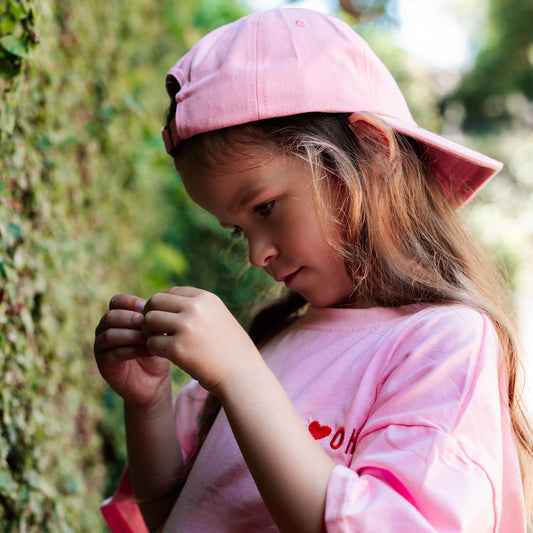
point(90, 204)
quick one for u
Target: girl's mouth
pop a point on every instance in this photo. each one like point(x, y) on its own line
point(290, 278)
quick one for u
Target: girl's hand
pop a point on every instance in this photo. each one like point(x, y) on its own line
point(194, 330)
point(121, 354)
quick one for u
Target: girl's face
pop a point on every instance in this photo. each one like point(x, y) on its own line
point(272, 204)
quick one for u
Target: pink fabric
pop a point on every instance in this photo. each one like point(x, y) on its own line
point(407, 403)
point(121, 512)
point(284, 62)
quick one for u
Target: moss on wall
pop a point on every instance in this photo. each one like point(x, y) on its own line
point(81, 104)
point(84, 204)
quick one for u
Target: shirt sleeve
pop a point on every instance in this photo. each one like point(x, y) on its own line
point(429, 457)
point(120, 511)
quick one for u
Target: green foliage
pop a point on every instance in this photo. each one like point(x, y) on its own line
point(492, 104)
point(16, 35)
point(57, 201)
point(84, 213)
point(496, 92)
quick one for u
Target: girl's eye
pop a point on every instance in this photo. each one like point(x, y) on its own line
point(265, 209)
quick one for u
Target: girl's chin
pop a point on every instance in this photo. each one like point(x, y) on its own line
point(321, 300)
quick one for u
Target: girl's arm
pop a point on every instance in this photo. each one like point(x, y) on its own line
point(194, 330)
point(290, 469)
point(144, 383)
point(154, 458)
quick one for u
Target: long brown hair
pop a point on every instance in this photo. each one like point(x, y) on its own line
point(401, 240)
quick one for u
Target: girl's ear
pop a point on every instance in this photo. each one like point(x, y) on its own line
point(371, 129)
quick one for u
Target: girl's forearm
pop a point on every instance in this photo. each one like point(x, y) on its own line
point(290, 469)
point(154, 459)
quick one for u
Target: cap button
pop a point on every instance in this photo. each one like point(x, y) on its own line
point(301, 23)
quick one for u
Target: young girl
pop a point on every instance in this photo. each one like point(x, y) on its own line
point(380, 394)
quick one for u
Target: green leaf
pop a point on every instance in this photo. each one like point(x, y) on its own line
point(8, 69)
point(7, 25)
point(14, 45)
point(15, 230)
point(170, 258)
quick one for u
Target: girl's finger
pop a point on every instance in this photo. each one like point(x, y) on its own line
point(157, 322)
point(126, 353)
point(120, 318)
point(188, 292)
point(161, 346)
point(177, 299)
point(167, 301)
point(127, 301)
point(115, 337)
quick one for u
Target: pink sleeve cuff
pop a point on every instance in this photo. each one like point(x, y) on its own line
point(121, 512)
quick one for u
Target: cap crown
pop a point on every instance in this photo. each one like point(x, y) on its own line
point(278, 63)
point(291, 61)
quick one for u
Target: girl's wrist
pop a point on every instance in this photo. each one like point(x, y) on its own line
point(251, 370)
point(158, 406)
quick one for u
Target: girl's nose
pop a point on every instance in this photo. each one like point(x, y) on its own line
point(261, 252)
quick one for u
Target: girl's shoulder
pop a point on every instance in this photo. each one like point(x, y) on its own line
point(449, 317)
point(415, 331)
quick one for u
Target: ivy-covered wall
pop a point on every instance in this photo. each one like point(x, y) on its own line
point(88, 200)
point(82, 102)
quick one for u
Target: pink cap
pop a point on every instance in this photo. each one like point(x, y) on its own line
point(291, 61)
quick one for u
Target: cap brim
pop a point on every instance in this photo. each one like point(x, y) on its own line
point(460, 170)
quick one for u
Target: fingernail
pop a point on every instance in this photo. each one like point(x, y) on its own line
point(140, 305)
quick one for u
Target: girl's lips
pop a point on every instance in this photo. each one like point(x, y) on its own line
point(290, 278)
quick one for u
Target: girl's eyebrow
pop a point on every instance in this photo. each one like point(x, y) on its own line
point(243, 201)
point(247, 199)
point(249, 196)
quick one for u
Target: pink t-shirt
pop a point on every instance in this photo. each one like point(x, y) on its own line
point(406, 401)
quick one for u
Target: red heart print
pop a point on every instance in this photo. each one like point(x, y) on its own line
point(318, 431)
